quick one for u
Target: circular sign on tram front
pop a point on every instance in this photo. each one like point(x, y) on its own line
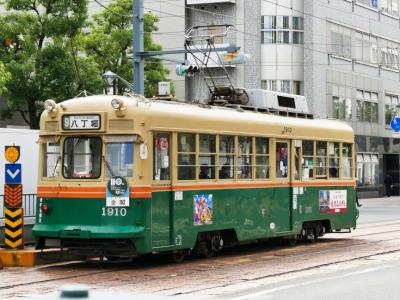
point(117, 186)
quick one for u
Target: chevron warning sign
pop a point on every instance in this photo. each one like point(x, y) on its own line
point(14, 228)
point(13, 195)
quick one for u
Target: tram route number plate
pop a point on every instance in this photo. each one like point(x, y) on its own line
point(81, 122)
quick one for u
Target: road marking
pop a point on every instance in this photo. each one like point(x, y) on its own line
point(289, 286)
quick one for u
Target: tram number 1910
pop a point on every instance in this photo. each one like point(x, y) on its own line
point(114, 211)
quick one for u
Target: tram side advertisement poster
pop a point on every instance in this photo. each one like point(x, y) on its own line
point(117, 194)
point(333, 202)
point(203, 209)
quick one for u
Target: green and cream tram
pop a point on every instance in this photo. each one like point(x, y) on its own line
point(124, 176)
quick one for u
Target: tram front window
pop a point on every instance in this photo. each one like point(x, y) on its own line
point(82, 157)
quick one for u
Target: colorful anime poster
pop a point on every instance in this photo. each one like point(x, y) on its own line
point(333, 202)
point(203, 209)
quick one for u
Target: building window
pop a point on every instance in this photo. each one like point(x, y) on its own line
point(340, 41)
point(389, 54)
point(391, 102)
point(372, 3)
point(284, 86)
point(298, 87)
point(282, 37)
point(298, 37)
point(341, 108)
point(363, 47)
point(298, 23)
point(367, 106)
point(390, 6)
point(268, 22)
point(282, 30)
point(367, 169)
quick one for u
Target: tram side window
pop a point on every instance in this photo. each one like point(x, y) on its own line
point(308, 159)
point(226, 156)
point(207, 154)
point(161, 156)
point(347, 163)
point(282, 160)
point(186, 156)
point(334, 156)
point(321, 159)
point(51, 160)
point(245, 151)
point(262, 158)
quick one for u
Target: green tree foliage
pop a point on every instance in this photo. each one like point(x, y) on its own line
point(109, 43)
point(5, 76)
point(37, 46)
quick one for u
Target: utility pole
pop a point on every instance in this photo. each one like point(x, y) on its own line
point(138, 47)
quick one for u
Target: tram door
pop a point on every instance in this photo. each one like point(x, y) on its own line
point(282, 214)
point(161, 202)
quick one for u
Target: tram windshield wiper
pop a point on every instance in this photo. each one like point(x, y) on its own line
point(55, 167)
point(108, 166)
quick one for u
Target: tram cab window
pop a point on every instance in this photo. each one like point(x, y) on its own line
point(347, 157)
point(262, 158)
point(82, 157)
point(307, 160)
point(51, 160)
point(245, 151)
point(119, 160)
point(226, 157)
point(334, 155)
point(207, 154)
point(161, 156)
point(186, 156)
point(321, 159)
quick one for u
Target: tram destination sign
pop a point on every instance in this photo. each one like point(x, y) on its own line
point(81, 122)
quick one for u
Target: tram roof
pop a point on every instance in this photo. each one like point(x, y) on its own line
point(177, 116)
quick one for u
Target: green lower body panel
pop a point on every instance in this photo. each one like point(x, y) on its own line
point(170, 221)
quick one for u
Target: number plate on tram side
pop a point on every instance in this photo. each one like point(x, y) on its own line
point(81, 122)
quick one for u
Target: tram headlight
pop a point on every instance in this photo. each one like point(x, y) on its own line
point(117, 104)
point(49, 105)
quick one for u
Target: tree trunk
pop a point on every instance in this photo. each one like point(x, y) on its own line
point(33, 114)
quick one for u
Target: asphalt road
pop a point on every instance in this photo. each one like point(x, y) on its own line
point(380, 281)
point(379, 210)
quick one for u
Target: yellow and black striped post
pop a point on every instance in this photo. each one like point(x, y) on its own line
point(13, 211)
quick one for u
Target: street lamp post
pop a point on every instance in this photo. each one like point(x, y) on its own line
point(109, 77)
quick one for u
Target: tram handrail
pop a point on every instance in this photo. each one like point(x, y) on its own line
point(28, 203)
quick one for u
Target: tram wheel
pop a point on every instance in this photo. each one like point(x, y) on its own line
point(177, 256)
point(315, 236)
point(209, 251)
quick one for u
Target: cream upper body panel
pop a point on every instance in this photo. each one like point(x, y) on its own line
point(175, 116)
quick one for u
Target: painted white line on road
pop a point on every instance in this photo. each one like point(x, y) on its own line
point(289, 286)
